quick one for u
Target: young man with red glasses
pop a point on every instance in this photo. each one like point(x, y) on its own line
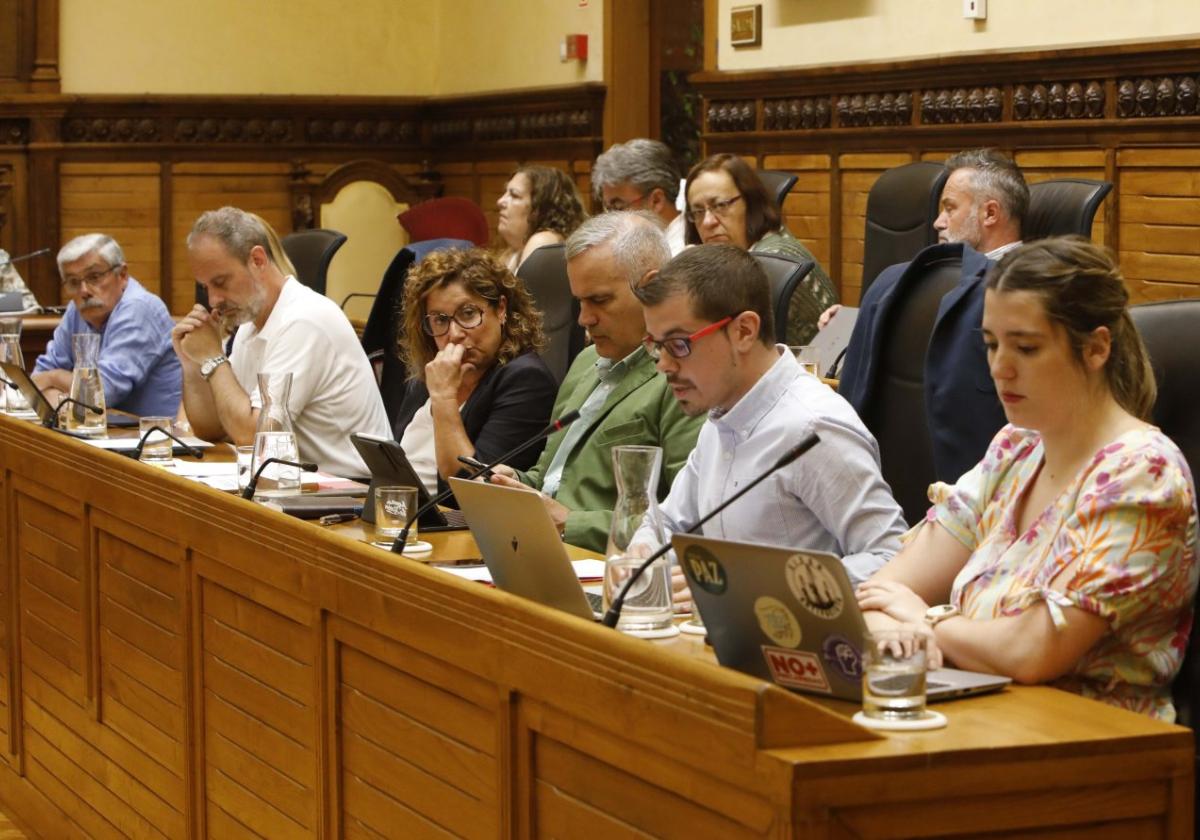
point(710, 325)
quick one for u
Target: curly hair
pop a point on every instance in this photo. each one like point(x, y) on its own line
point(482, 274)
point(554, 202)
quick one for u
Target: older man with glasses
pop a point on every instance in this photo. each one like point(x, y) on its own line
point(138, 367)
point(641, 175)
point(710, 328)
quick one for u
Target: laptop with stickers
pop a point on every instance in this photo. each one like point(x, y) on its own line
point(790, 617)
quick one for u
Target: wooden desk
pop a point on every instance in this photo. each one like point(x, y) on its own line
point(176, 661)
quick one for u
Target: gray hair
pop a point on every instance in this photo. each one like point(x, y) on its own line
point(637, 240)
point(236, 229)
point(994, 176)
point(99, 243)
point(646, 164)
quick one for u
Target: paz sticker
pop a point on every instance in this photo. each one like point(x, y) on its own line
point(776, 621)
point(796, 669)
point(705, 570)
point(843, 657)
point(814, 587)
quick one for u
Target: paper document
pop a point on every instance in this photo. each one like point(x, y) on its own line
point(584, 570)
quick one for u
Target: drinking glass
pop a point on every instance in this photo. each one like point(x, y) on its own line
point(13, 401)
point(894, 664)
point(157, 446)
point(245, 466)
point(393, 507)
point(276, 479)
point(808, 357)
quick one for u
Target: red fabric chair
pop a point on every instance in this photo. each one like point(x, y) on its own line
point(446, 218)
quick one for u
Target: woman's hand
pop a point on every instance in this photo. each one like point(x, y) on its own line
point(893, 599)
point(444, 373)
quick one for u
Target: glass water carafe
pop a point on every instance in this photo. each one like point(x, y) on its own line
point(13, 401)
point(275, 437)
point(86, 414)
point(647, 610)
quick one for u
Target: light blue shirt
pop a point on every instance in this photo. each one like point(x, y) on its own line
point(610, 374)
point(138, 365)
point(831, 499)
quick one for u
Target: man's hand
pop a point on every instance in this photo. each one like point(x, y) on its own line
point(444, 373)
point(557, 511)
point(53, 380)
point(825, 317)
point(196, 337)
point(681, 594)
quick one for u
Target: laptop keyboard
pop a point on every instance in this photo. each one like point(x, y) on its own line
point(595, 601)
point(454, 518)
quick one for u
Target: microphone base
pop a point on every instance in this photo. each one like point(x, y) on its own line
point(668, 632)
point(417, 548)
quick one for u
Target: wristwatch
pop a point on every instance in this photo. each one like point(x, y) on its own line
point(940, 613)
point(209, 366)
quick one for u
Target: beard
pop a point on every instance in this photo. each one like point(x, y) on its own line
point(232, 316)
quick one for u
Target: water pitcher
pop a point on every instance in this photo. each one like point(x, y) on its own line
point(275, 437)
point(87, 414)
point(12, 401)
point(647, 609)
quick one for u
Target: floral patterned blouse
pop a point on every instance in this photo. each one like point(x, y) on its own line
point(1128, 519)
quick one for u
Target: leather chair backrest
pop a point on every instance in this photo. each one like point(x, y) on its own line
point(778, 183)
point(311, 252)
point(1062, 207)
point(1169, 331)
point(449, 217)
point(385, 323)
point(785, 275)
point(896, 414)
point(901, 208)
point(545, 275)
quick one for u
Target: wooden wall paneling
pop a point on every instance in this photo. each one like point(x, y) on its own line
point(806, 210)
point(858, 173)
point(1160, 221)
point(260, 187)
point(120, 199)
point(8, 696)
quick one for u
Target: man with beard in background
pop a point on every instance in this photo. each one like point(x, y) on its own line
point(282, 327)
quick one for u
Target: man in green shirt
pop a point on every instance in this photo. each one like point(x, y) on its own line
point(620, 396)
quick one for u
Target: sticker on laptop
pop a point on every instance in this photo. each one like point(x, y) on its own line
point(842, 657)
point(814, 587)
point(776, 621)
point(705, 570)
point(796, 669)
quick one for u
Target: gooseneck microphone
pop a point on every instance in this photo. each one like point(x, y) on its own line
point(136, 452)
point(618, 603)
point(561, 423)
point(248, 493)
point(80, 403)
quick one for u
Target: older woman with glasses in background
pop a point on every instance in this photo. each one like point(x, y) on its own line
point(727, 203)
point(471, 337)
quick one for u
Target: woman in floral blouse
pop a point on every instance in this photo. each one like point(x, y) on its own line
point(1067, 555)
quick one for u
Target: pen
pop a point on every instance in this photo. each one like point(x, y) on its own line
point(335, 518)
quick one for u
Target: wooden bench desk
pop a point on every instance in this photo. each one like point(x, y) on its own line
point(176, 661)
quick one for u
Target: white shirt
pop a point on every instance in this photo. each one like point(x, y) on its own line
point(333, 389)
point(997, 253)
point(675, 232)
point(833, 498)
point(419, 447)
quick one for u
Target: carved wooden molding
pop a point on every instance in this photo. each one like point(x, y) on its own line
point(1127, 82)
point(307, 195)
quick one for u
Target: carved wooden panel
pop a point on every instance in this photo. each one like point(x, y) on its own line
point(260, 741)
point(122, 200)
point(418, 743)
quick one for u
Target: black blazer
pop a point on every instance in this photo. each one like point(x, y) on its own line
point(511, 404)
point(960, 398)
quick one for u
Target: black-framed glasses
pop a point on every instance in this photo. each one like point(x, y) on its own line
point(468, 316)
point(720, 209)
point(681, 347)
point(92, 278)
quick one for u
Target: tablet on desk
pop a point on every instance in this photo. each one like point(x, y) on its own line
point(389, 466)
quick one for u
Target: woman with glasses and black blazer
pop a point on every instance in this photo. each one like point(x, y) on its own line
point(470, 340)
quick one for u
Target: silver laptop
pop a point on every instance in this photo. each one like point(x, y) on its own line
point(521, 547)
point(790, 617)
point(17, 376)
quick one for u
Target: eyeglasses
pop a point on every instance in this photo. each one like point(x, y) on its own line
point(618, 204)
point(681, 348)
point(720, 209)
point(468, 316)
point(92, 279)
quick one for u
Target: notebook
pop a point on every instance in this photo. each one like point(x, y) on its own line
point(521, 547)
point(790, 617)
